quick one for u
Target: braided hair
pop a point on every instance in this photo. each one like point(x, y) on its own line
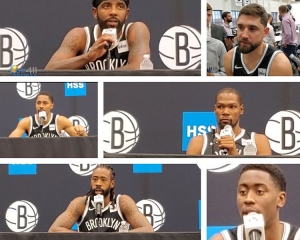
point(112, 190)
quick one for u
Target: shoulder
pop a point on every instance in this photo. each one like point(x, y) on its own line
point(281, 66)
point(195, 145)
point(63, 122)
point(76, 37)
point(262, 144)
point(137, 27)
point(124, 199)
point(25, 122)
point(218, 236)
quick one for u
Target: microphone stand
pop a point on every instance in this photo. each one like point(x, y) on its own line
point(213, 141)
point(108, 57)
point(98, 218)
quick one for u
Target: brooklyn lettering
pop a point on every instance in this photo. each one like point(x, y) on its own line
point(101, 65)
point(39, 135)
point(103, 223)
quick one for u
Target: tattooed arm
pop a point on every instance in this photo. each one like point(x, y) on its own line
point(67, 219)
point(138, 40)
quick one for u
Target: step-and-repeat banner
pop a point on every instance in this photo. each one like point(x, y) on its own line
point(222, 212)
point(34, 195)
point(163, 117)
point(35, 30)
point(76, 101)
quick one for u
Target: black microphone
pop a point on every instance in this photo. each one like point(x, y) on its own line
point(99, 201)
point(213, 131)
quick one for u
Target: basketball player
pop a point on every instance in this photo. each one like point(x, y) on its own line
point(115, 208)
point(262, 189)
point(228, 109)
point(253, 57)
point(52, 126)
point(86, 48)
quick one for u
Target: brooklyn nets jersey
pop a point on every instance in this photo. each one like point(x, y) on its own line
point(49, 130)
point(110, 220)
point(290, 232)
point(241, 140)
point(119, 53)
point(262, 68)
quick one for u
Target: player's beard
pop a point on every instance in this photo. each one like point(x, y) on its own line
point(104, 192)
point(103, 24)
point(248, 49)
point(221, 125)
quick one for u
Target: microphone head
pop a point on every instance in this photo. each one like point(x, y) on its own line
point(99, 199)
point(254, 223)
point(112, 32)
point(227, 131)
point(42, 114)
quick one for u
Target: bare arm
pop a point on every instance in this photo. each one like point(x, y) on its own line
point(66, 125)
point(227, 63)
point(133, 216)
point(195, 146)
point(22, 126)
point(138, 41)
point(65, 57)
point(262, 144)
point(281, 66)
point(69, 217)
point(217, 237)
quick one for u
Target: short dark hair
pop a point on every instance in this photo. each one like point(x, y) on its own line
point(96, 3)
point(224, 15)
point(208, 7)
point(275, 172)
point(230, 90)
point(283, 9)
point(45, 93)
point(255, 10)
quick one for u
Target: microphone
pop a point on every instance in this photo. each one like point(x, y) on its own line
point(99, 202)
point(43, 118)
point(226, 131)
point(295, 59)
point(254, 226)
point(113, 33)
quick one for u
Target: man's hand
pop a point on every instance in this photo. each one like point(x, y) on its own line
point(79, 130)
point(228, 143)
point(98, 48)
point(284, 45)
point(210, 74)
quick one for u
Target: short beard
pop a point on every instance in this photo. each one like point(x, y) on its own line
point(221, 126)
point(246, 50)
point(103, 24)
point(104, 192)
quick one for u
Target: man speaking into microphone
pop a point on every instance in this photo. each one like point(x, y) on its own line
point(100, 210)
point(229, 138)
point(44, 123)
point(261, 193)
point(123, 45)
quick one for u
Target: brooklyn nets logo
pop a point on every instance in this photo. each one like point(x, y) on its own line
point(218, 167)
point(77, 120)
point(180, 48)
point(283, 132)
point(28, 90)
point(21, 216)
point(13, 48)
point(121, 132)
point(153, 211)
point(83, 169)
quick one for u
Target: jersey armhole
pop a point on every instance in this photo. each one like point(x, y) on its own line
point(88, 39)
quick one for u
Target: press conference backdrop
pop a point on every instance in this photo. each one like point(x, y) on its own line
point(222, 210)
point(163, 117)
point(76, 101)
point(34, 195)
point(31, 31)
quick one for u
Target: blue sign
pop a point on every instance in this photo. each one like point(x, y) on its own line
point(194, 124)
point(22, 169)
point(147, 168)
point(199, 215)
point(75, 89)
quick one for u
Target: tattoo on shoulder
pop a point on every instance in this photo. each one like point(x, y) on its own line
point(70, 44)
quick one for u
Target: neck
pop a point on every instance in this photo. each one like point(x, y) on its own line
point(274, 231)
point(256, 54)
point(227, 23)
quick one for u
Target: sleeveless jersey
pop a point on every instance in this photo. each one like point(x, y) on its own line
point(49, 130)
point(110, 221)
point(290, 232)
point(241, 140)
point(262, 68)
point(119, 53)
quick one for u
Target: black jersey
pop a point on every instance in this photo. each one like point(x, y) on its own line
point(119, 53)
point(48, 130)
point(241, 140)
point(290, 232)
point(262, 68)
point(110, 221)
